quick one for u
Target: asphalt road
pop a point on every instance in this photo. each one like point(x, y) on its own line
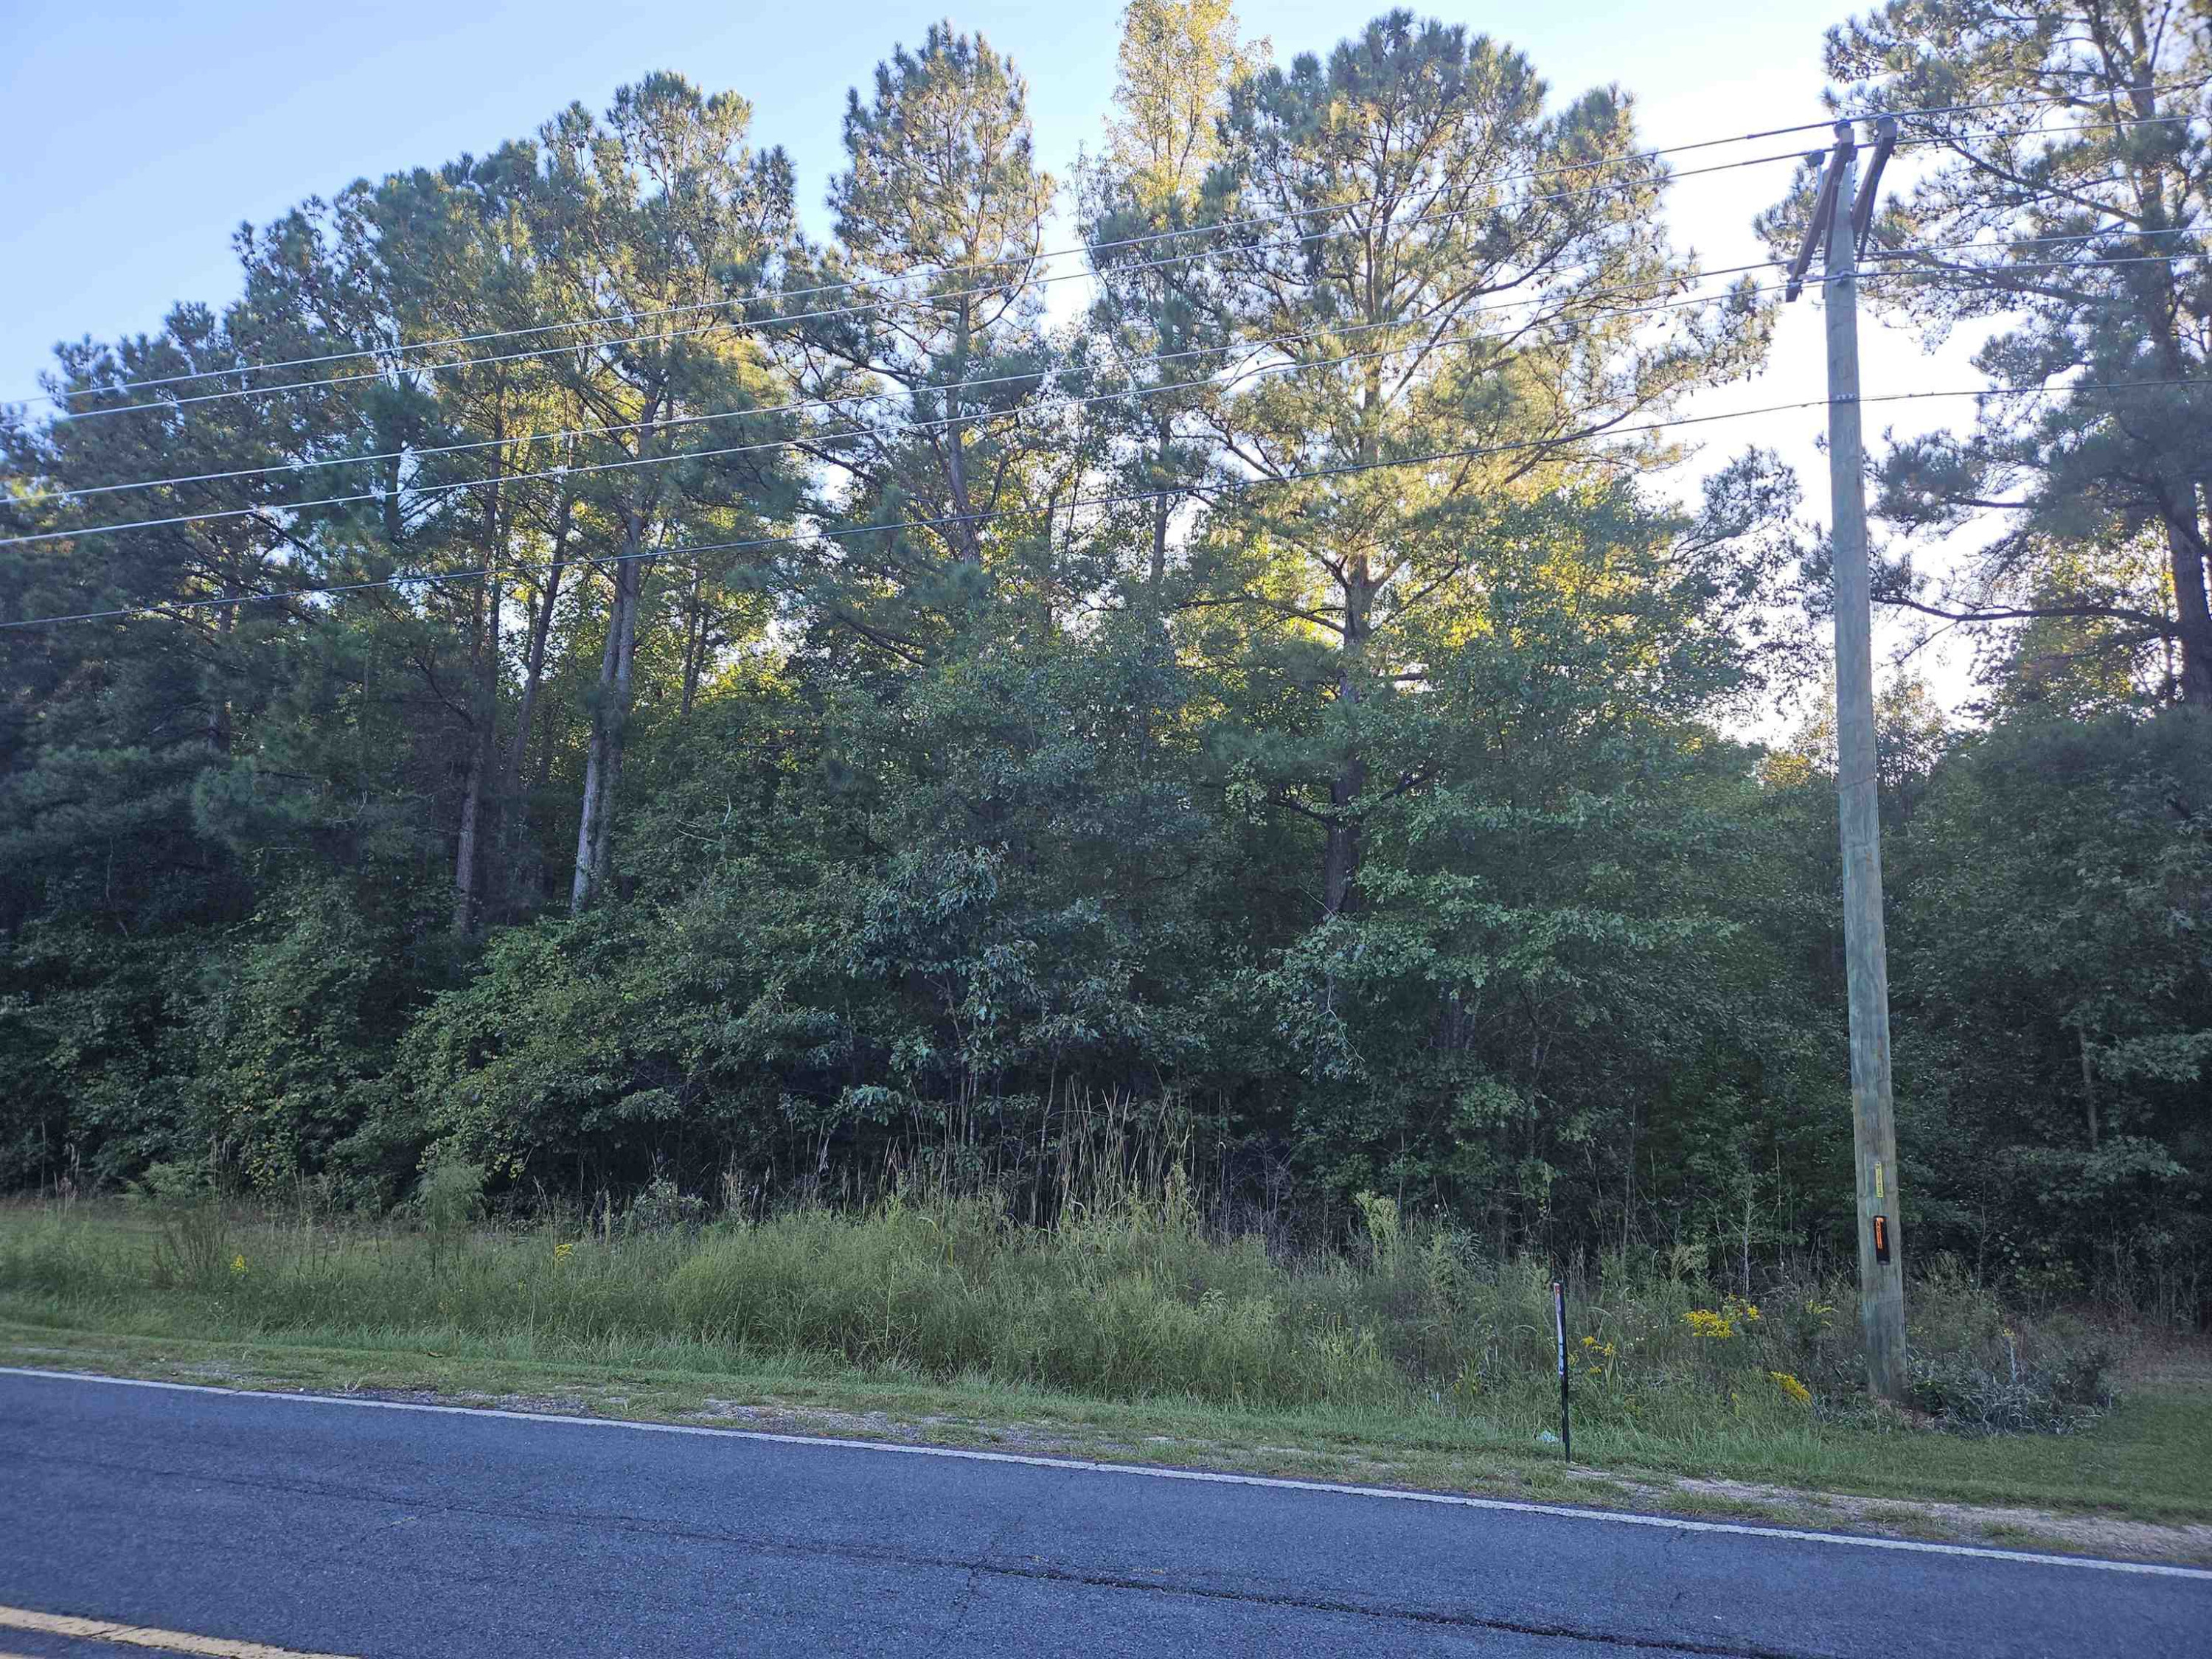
point(337, 1527)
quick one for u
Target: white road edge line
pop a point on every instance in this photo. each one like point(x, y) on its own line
point(1456, 1500)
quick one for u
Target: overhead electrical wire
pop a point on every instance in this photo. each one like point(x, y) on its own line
point(526, 439)
point(1032, 259)
point(834, 402)
point(824, 438)
point(1232, 487)
point(232, 393)
point(1233, 376)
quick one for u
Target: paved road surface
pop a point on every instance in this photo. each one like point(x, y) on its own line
point(341, 1529)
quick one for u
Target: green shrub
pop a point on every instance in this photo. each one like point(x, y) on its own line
point(661, 1208)
point(193, 1246)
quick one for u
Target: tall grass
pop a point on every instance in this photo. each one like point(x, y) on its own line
point(1126, 1297)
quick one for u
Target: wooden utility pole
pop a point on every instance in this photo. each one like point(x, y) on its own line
point(1839, 221)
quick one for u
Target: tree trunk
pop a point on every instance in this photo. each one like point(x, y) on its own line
point(694, 643)
point(395, 528)
point(2192, 616)
point(217, 676)
point(544, 747)
point(596, 755)
point(611, 705)
point(2185, 535)
point(533, 658)
point(618, 726)
point(965, 534)
point(1340, 856)
point(484, 719)
point(1163, 505)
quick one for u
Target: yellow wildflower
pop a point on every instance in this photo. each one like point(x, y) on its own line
point(1790, 1386)
point(238, 1266)
point(1722, 1323)
point(563, 1250)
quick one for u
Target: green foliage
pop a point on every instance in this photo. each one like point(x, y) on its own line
point(969, 757)
point(1981, 1372)
point(193, 1233)
point(2055, 953)
point(296, 1032)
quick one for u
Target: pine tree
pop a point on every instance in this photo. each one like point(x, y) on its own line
point(2081, 170)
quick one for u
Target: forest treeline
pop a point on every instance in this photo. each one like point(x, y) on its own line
point(591, 681)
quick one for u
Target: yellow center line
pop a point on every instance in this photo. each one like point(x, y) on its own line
point(140, 1636)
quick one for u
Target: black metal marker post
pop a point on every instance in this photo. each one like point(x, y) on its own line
point(1560, 1326)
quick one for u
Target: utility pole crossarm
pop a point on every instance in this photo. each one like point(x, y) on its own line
point(1884, 141)
point(1816, 229)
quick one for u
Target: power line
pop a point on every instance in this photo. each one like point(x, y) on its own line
point(1239, 373)
point(1154, 359)
point(1033, 257)
point(663, 335)
point(1231, 376)
point(949, 388)
point(172, 608)
point(735, 302)
point(2066, 101)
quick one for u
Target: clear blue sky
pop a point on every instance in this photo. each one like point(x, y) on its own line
point(138, 135)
